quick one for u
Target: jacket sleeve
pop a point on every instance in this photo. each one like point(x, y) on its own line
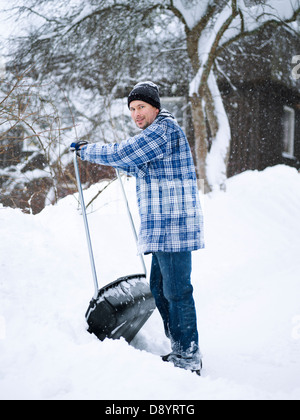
point(148, 146)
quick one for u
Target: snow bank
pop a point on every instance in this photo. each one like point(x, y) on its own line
point(246, 289)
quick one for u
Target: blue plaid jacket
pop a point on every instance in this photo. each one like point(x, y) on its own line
point(168, 200)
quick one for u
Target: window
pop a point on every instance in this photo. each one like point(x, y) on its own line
point(288, 132)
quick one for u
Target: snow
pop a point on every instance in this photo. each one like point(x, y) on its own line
point(271, 9)
point(246, 290)
point(253, 17)
point(216, 161)
point(205, 43)
point(192, 11)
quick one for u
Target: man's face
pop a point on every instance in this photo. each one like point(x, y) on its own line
point(143, 114)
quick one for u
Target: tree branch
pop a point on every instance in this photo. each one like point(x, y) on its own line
point(117, 6)
point(270, 23)
point(214, 49)
point(29, 9)
point(193, 34)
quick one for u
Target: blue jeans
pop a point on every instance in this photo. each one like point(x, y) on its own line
point(170, 284)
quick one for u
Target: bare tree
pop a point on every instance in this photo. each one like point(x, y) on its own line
point(210, 29)
point(31, 147)
point(105, 46)
point(35, 164)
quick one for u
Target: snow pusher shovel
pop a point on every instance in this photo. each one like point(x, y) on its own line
point(121, 308)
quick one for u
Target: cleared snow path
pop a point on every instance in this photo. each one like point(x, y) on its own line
point(247, 292)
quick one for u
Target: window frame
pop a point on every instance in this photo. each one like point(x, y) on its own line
point(288, 140)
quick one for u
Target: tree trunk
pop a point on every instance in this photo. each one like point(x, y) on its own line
point(201, 141)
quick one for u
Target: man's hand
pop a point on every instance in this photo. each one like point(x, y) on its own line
point(77, 145)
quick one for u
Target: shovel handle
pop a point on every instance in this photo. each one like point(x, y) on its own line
point(86, 225)
point(131, 219)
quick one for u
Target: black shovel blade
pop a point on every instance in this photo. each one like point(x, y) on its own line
point(121, 308)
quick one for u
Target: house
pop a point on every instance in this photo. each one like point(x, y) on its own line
point(261, 92)
point(260, 88)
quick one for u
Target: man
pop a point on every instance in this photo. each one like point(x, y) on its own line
point(171, 218)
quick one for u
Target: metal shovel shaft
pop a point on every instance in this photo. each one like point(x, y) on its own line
point(131, 219)
point(87, 231)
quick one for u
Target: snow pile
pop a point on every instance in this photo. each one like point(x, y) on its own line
point(246, 289)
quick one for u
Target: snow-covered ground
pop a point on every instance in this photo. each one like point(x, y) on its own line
point(247, 291)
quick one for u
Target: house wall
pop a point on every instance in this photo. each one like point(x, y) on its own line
point(256, 114)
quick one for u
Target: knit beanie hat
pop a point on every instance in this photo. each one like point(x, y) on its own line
point(146, 92)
